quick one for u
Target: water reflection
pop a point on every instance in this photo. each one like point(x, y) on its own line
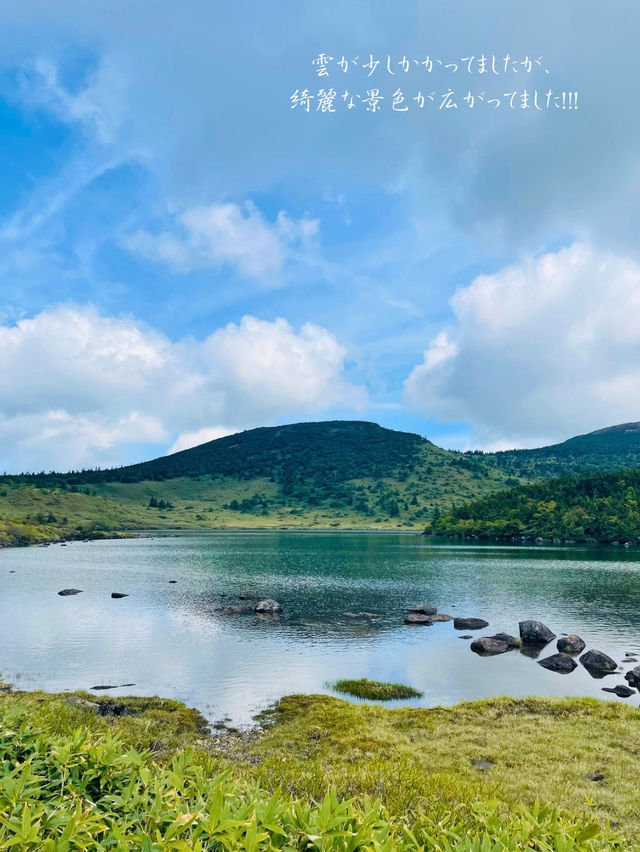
point(176, 639)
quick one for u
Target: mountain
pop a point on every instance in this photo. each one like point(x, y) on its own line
point(613, 448)
point(329, 474)
point(596, 507)
point(335, 473)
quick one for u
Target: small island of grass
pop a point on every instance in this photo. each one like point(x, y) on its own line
point(376, 690)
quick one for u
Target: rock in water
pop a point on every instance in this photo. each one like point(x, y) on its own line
point(268, 605)
point(425, 609)
point(621, 690)
point(535, 633)
point(571, 644)
point(66, 592)
point(562, 663)
point(597, 661)
point(633, 677)
point(418, 618)
point(469, 623)
point(119, 595)
point(489, 646)
point(512, 641)
point(440, 616)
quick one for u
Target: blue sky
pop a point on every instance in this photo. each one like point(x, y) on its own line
point(183, 255)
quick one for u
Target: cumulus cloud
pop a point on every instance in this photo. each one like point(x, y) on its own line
point(218, 234)
point(79, 388)
point(539, 351)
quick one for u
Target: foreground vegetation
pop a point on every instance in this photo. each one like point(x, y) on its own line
point(375, 690)
point(602, 507)
point(324, 774)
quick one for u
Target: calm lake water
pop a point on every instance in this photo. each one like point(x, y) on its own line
point(172, 640)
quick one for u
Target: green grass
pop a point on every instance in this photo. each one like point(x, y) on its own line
point(375, 689)
point(324, 774)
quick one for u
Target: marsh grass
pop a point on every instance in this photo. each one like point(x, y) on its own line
point(325, 774)
point(375, 690)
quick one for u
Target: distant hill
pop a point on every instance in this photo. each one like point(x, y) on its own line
point(332, 473)
point(614, 448)
point(597, 507)
point(328, 474)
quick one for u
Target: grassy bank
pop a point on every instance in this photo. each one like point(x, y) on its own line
point(323, 774)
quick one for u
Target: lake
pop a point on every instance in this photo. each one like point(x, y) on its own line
point(172, 639)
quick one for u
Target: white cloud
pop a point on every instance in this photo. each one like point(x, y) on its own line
point(539, 351)
point(78, 388)
point(200, 436)
point(219, 234)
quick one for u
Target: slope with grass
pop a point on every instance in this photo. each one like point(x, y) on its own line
point(323, 774)
point(613, 448)
point(335, 474)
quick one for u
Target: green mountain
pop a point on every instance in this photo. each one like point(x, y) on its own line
point(614, 448)
point(329, 474)
point(596, 507)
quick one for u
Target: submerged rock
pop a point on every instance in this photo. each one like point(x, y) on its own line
point(466, 636)
point(238, 608)
point(571, 644)
point(361, 615)
point(173, 581)
point(489, 646)
point(119, 595)
point(562, 663)
point(621, 690)
point(425, 609)
point(597, 661)
point(535, 633)
point(512, 641)
point(66, 592)
point(441, 616)
point(633, 677)
point(469, 623)
point(268, 605)
point(418, 618)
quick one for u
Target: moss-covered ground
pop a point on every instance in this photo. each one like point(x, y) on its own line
point(322, 773)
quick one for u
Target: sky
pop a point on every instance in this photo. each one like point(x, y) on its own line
point(187, 250)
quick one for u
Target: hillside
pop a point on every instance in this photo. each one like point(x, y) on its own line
point(335, 474)
point(596, 507)
point(614, 448)
point(329, 474)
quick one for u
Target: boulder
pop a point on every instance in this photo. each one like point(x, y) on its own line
point(440, 616)
point(119, 595)
point(268, 605)
point(571, 644)
point(465, 636)
point(562, 663)
point(425, 609)
point(535, 633)
point(418, 618)
point(512, 641)
point(633, 677)
point(597, 661)
point(621, 690)
point(469, 623)
point(630, 660)
point(66, 592)
point(489, 646)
